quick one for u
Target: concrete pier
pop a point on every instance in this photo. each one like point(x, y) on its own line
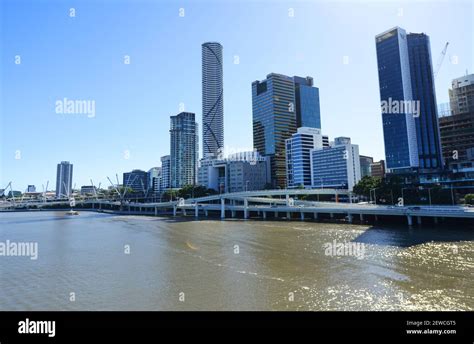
point(222, 208)
point(410, 220)
point(302, 216)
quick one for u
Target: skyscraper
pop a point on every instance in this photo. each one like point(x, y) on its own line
point(184, 149)
point(64, 179)
point(307, 103)
point(274, 121)
point(280, 105)
point(212, 100)
point(399, 128)
point(410, 122)
point(423, 89)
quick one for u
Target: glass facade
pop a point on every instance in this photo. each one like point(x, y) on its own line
point(395, 85)
point(137, 180)
point(274, 121)
point(365, 163)
point(422, 85)
point(308, 112)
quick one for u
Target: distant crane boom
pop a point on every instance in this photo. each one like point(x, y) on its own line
point(441, 59)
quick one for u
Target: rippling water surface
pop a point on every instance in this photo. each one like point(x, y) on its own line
point(230, 265)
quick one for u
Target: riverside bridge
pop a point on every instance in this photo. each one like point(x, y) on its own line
point(275, 204)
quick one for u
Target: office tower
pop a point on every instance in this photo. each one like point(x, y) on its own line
point(423, 91)
point(377, 169)
point(365, 162)
point(165, 182)
point(337, 166)
point(212, 100)
point(137, 180)
point(64, 179)
point(184, 149)
point(399, 128)
point(31, 188)
point(457, 130)
point(274, 121)
point(298, 158)
point(308, 112)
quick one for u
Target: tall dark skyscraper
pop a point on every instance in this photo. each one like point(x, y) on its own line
point(307, 103)
point(64, 179)
point(411, 132)
point(399, 128)
point(423, 89)
point(212, 100)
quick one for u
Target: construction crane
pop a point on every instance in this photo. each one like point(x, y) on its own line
point(440, 60)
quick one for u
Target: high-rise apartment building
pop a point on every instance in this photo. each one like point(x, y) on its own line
point(184, 149)
point(212, 100)
point(64, 179)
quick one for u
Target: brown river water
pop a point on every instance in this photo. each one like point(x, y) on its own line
point(106, 262)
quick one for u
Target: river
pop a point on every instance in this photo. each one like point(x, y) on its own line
point(99, 261)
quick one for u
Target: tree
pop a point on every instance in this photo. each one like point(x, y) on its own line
point(469, 199)
point(367, 183)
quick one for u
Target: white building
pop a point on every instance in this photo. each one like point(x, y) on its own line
point(337, 166)
point(298, 159)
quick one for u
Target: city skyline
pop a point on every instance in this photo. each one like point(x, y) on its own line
point(120, 164)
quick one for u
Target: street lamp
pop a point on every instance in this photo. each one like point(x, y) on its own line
point(452, 194)
point(375, 196)
point(403, 198)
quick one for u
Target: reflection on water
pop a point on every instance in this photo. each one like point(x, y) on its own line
point(230, 265)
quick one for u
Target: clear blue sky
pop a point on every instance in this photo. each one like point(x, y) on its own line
point(82, 58)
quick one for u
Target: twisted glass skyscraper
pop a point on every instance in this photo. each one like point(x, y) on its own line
point(212, 100)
